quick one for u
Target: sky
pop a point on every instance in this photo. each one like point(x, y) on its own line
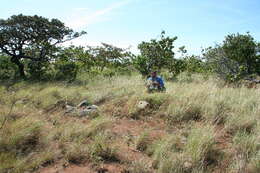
point(126, 23)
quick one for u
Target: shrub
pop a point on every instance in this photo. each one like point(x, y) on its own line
point(66, 70)
point(7, 69)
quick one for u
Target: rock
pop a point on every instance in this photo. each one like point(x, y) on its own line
point(142, 104)
point(82, 109)
point(88, 110)
point(92, 107)
point(84, 103)
point(70, 109)
point(187, 164)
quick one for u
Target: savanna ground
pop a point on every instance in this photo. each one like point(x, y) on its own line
point(198, 125)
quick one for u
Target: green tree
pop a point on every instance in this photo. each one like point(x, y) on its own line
point(32, 38)
point(7, 68)
point(243, 49)
point(155, 54)
point(109, 56)
point(235, 59)
point(194, 64)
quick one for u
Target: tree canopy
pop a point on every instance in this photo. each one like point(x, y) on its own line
point(155, 54)
point(34, 38)
point(236, 58)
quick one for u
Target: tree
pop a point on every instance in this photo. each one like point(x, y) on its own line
point(32, 38)
point(109, 56)
point(244, 50)
point(155, 54)
point(7, 69)
point(236, 58)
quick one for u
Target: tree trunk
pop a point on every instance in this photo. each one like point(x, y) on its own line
point(16, 61)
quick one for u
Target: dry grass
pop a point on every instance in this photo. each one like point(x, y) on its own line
point(194, 110)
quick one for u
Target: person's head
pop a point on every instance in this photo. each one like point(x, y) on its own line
point(154, 74)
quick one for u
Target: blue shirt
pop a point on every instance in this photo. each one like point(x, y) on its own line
point(157, 79)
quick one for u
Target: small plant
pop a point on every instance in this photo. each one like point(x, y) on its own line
point(143, 141)
point(101, 149)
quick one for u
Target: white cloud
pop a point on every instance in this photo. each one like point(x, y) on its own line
point(82, 17)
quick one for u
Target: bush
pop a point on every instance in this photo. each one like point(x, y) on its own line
point(66, 70)
point(7, 69)
point(235, 59)
point(38, 70)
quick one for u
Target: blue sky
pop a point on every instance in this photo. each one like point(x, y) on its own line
point(124, 23)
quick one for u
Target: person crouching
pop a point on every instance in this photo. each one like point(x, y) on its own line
point(155, 83)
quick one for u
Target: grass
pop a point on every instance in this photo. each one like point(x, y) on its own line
point(139, 166)
point(197, 125)
point(246, 150)
point(101, 149)
point(199, 146)
point(143, 141)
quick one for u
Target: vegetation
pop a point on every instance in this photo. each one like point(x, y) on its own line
point(32, 38)
point(206, 121)
point(236, 58)
point(170, 138)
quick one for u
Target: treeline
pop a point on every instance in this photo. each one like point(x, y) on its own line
point(31, 48)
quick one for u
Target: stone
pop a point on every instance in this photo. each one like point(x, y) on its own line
point(82, 109)
point(187, 164)
point(142, 104)
point(69, 109)
point(83, 103)
point(88, 110)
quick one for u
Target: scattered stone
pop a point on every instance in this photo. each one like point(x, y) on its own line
point(142, 104)
point(70, 109)
point(88, 110)
point(82, 109)
point(84, 103)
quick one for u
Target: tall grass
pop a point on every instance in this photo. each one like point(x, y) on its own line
point(195, 111)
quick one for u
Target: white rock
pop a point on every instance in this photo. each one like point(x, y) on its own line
point(142, 104)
